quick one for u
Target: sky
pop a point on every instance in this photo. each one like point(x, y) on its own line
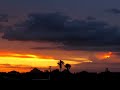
point(39, 33)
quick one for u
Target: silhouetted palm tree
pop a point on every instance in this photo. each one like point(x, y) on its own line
point(60, 63)
point(68, 66)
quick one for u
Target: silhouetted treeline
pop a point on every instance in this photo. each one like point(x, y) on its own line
point(56, 74)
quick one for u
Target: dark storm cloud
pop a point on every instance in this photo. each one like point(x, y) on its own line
point(1, 28)
point(4, 28)
point(91, 48)
point(71, 34)
point(47, 48)
point(3, 18)
point(91, 18)
point(40, 27)
point(84, 48)
point(113, 11)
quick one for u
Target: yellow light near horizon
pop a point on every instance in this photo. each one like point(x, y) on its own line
point(33, 62)
point(25, 62)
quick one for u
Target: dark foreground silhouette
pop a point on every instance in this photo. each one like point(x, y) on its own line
point(36, 74)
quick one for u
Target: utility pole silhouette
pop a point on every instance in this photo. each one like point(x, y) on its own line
point(50, 69)
point(107, 70)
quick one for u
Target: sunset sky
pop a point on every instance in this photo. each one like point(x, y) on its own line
point(38, 33)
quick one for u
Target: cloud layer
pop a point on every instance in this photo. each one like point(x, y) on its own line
point(113, 11)
point(71, 34)
point(4, 18)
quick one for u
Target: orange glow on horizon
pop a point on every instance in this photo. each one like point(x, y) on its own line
point(10, 60)
point(108, 55)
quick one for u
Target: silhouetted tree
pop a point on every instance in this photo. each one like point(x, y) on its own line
point(35, 70)
point(60, 63)
point(13, 72)
point(68, 66)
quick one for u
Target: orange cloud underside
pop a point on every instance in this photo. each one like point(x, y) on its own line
point(29, 60)
point(104, 56)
